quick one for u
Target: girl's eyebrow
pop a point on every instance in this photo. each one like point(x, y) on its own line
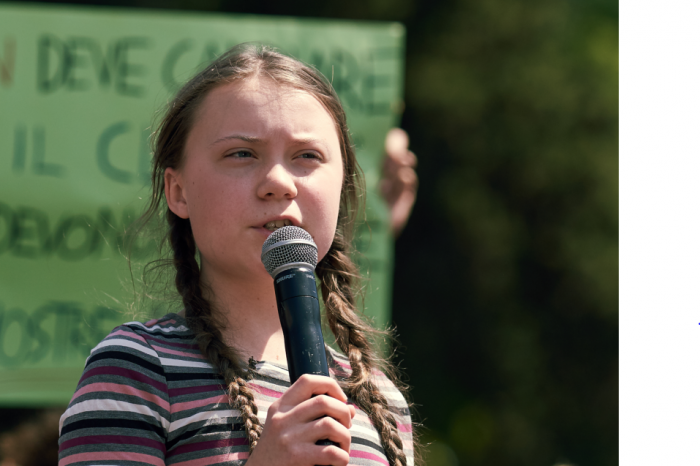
point(242, 137)
point(253, 139)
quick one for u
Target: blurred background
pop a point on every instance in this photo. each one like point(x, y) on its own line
point(506, 275)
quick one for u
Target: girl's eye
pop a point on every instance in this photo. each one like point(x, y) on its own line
point(240, 154)
point(310, 155)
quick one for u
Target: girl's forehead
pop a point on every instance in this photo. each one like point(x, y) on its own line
point(259, 101)
point(256, 91)
point(256, 97)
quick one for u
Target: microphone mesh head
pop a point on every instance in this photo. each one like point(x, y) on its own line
point(287, 245)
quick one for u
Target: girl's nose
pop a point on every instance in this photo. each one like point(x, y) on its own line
point(277, 183)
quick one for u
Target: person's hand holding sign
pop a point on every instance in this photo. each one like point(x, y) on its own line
point(399, 182)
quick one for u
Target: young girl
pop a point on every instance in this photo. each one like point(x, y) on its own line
point(254, 142)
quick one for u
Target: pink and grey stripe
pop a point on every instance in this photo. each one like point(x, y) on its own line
point(148, 397)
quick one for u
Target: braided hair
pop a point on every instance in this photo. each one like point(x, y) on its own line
point(336, 271)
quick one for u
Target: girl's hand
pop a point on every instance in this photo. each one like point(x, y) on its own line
point(297, 420)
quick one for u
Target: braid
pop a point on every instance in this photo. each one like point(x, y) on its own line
point(202, 321)
point(337, 273)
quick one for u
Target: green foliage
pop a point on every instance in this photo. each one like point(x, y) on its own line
point(512, 108)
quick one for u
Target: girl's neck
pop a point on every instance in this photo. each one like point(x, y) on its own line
point(250, 313)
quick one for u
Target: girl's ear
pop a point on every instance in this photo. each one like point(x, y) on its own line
point(174, 194)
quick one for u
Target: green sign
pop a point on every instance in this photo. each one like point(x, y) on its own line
point(79, 88)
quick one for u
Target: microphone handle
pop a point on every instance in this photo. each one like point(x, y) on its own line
point(300, 316)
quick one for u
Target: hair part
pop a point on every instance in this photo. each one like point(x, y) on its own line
point(336, 271)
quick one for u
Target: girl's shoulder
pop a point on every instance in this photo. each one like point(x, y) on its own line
point(166, 333)
point(155, 346)
point(126, 374)
point(170, 325)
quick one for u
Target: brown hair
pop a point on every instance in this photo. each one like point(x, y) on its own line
point(336, 271)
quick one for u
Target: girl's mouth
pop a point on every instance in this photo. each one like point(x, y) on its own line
point(275, 224)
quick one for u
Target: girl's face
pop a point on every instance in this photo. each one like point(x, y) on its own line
point(258, 156)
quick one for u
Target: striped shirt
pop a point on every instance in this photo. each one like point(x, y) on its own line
point(148, 396)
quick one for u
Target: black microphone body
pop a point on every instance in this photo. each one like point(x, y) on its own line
point(300, 316)
point(290, 256)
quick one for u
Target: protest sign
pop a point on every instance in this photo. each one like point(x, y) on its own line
point(79, 88)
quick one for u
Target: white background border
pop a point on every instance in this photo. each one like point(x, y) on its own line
point(659, 232)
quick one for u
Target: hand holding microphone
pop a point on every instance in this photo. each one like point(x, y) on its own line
point(301, 427)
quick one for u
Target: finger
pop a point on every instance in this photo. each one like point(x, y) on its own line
point(408, 178)
point(331, 455)
point(306, 451)
point(401, 211)
point(321, 406)
point(396, 143)
point(309, 385)
point(405, 179)
point(410, 159)
point(328, 428)
point(405, 158)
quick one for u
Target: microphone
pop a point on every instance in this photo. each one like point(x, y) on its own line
point(290, 255)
